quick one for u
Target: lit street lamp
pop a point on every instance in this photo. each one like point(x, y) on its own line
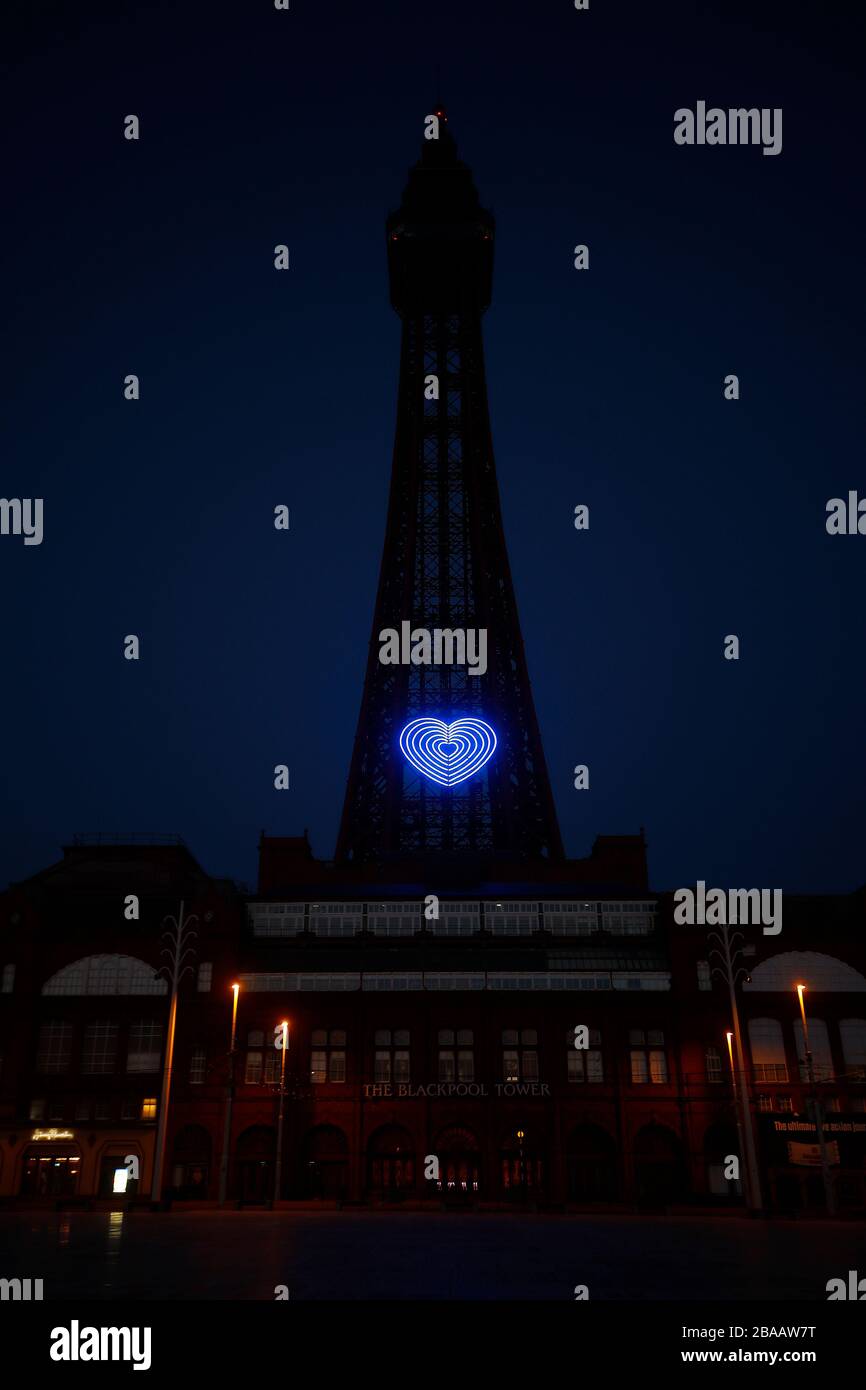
point(284, 1047)
point(230, 1096)
point(727, 952)
point(829, 1195)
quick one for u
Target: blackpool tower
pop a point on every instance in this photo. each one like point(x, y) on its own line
point(445, 568)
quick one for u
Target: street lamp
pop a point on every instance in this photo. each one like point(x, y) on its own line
point(284, 1047)
point(230, 1096)
point(730, 1038)
point(727, 953)
point(829, 1194)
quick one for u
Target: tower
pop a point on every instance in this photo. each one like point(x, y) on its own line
point(444, 564)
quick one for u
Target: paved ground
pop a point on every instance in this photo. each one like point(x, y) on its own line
point(369, 1255)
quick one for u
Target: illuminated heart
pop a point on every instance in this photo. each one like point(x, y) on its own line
point(448, 753)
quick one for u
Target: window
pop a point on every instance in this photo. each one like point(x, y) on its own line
point(100, 1048)
point(55, 1047)
point(103, 1109)
point(852, 1031)
point(82, 1109)
point(819, 1046)
point(145, 1046)
point(8, 983)
point(768, 1049)
point(765, 1102)
point(705, 978)
point(129, 1109)
point(647, 1056)
point(784, 1103)
point(37, 1110)
point(714, 1064)
point(56, 1110)
point(456, 1054)
point(255, 1058)
point(197, 1066)
point(832, 1105)
point(519, 1054)
point(148, 1108)
point(205, 976)
point(328, 1055)
point(585, 1063)
point(391, 1061)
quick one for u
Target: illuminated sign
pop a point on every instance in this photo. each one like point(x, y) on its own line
point(448, 753)
point(53, 1134)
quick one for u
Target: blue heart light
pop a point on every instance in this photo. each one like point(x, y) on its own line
point(470, 743)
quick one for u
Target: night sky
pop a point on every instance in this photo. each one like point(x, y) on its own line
point(606, 388)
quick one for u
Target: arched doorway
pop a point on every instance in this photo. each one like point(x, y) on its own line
point(51, 1170)
point(391, 1163)
point(592, 1169)
point(191, 1163)
point(721, 1143)
point(522, 1170)
point(255, 1157)
point(326, 1163)
point(459, 1164)
point(660, 1169)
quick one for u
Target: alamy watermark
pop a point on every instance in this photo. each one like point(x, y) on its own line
point(732, 907)
point(736, 126)
point(439, 646)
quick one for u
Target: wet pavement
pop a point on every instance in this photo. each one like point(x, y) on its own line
point(464, 1256)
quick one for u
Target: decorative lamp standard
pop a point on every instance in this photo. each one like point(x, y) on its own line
point(177, 951)
point(283, 1045)
point(829, 1194)
point(230, 1099)
point(730, 1040)
point(728, 969)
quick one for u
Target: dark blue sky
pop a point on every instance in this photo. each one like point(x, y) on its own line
point(707, 517)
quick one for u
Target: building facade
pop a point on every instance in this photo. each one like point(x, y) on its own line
point(432, 1039)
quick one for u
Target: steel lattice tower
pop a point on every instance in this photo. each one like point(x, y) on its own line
point(445, 563)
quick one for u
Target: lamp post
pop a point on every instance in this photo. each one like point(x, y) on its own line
point(829, 1195)
point(284, 1047)
point(728, 970)
point(730, 1040)
point(177, 951)
point(230, 1098)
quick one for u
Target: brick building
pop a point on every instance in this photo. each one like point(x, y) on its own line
point(425, 1022)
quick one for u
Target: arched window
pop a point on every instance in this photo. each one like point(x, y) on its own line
point(852, 1031)
point(819, 1046)
point(105, 975)
point(768, 1049)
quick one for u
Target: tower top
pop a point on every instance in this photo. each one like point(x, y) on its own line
point(440, 239)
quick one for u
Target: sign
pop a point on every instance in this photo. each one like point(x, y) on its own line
point(809, 1155)
point(447, 1090)
point(830, 1127)
point(52, 1134)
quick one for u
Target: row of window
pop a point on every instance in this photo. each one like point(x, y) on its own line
point(769, 1059)
point(57, 1109)
point(454, 918)
point(456, 1054)
point(99, 1047)
point(455, 1057)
